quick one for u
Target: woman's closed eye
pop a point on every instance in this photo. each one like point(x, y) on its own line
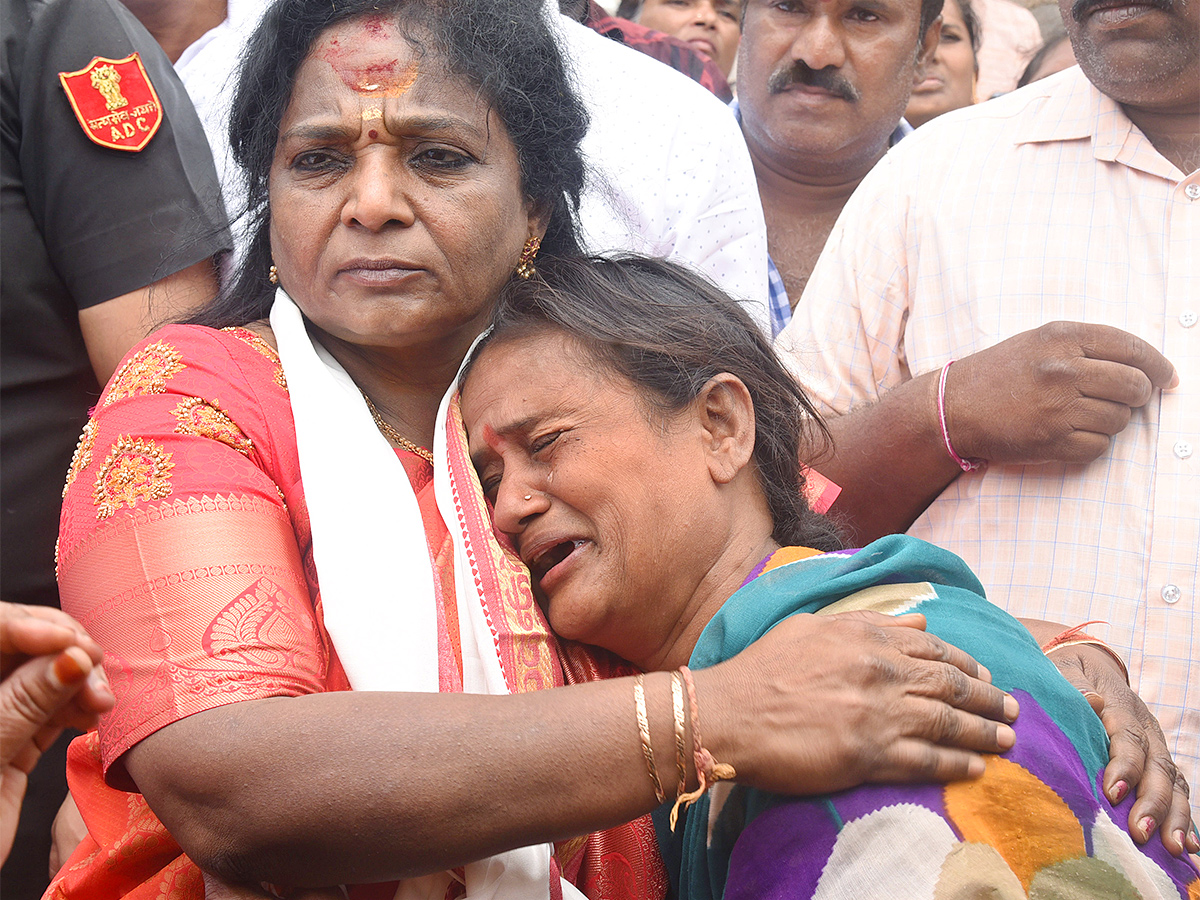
point(545, 442)
point(491, 487)
point(490, 477)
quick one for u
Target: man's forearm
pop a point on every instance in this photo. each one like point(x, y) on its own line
point(889, 460)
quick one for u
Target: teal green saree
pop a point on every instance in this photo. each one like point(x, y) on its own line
point(1035, 825)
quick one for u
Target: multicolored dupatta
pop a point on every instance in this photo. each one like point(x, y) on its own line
point(1035, 825)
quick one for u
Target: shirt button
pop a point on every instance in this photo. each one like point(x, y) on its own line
point(1171, 593)
point(1183, 449)
point(1187, 318)
point(1192, 190)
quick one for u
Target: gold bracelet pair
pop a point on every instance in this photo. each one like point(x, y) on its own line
point(708, 770)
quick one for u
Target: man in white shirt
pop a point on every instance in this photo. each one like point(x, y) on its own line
point(669, 172)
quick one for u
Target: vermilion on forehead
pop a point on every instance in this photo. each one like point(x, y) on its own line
point(370, 60)
point(508, 432)
point(377, 26)
point(493, 440)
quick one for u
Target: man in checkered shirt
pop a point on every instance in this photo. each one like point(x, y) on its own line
point(1049, 241)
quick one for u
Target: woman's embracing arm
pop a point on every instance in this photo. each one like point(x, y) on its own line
point(366, 787)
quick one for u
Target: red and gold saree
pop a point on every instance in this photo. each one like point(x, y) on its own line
point(186, 549)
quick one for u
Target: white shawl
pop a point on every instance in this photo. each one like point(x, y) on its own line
point(376, 576)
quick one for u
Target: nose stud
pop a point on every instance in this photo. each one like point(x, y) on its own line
point(529, 496)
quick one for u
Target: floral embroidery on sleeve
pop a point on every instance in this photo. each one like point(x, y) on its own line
point(146, 372)
point(249, 337)
point(132, 472)
point(205, 418)
point(82, 457)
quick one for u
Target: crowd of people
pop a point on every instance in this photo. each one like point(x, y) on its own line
point(456, 398)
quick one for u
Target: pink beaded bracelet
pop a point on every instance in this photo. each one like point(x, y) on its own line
point(967, 465)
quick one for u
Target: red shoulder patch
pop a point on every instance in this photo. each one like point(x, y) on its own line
point(114, 102)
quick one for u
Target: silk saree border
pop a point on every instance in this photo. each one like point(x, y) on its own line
point(199, 602)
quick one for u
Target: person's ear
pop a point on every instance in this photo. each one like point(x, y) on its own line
point(726, 415)
point(925, 51)
point(539, 218)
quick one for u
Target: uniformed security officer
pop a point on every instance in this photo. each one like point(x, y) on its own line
point(112, 219)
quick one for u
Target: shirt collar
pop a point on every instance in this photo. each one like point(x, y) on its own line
point(902, 131)
point(1071, 108)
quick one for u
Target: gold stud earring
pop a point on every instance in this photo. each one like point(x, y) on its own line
point(273, 274)
point(525, 267)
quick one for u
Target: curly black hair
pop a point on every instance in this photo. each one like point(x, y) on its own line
point(504, 47)
point(668, 330)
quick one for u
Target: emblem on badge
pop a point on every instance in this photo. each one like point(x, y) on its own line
point(114, 101)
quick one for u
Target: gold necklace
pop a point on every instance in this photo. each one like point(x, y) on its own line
point(393, 435)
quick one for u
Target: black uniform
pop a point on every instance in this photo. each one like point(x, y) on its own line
point(82, 224)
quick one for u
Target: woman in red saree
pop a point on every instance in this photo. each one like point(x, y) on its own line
point(274, 505)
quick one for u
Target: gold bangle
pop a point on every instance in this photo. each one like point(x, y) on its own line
point(680, 740)
point(1092, 642)
point(639, 700)
point(1070, 634)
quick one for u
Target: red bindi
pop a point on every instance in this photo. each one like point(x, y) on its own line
point(373, 133)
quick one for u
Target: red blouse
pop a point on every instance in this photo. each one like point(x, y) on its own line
point(185, 550)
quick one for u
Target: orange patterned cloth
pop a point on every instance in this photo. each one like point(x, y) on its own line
point(185, 550)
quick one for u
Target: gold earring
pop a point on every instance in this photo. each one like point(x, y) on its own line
point(273, 274)
point(525, 267)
